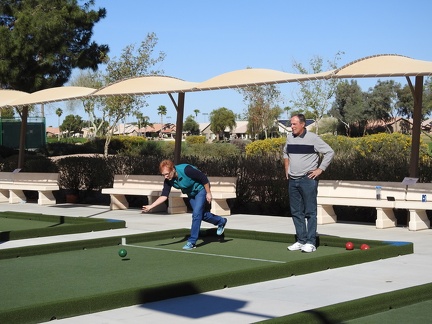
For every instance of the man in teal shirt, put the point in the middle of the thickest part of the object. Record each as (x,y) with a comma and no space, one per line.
(196,186)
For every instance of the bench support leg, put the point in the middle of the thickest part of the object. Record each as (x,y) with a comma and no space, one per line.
(46,198)
(385,218)
(160,208)
(325,215)
(418,220)
(118,202)
(17,197)
(220,207)
(4,195)
(176,205)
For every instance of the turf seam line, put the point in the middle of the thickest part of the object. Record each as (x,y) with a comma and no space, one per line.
(201,253)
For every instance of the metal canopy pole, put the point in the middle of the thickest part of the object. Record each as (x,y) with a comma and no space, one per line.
(179,106)
(417,115)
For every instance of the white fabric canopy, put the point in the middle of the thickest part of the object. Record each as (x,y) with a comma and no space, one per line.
(247,77)
(146,85)
(7,96)
(51,95)
(386,65)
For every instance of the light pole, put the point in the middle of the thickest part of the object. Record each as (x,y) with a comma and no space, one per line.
(206,118)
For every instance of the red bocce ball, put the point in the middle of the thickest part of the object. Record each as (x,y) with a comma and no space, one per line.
(364,247)
(349,246)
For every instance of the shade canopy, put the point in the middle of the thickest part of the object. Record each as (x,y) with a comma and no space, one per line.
(384,66)
(256,77)
(8,96)
(146,85)
(51,95)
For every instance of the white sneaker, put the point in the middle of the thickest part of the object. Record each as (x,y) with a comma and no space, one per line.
(308,248)
(295,247)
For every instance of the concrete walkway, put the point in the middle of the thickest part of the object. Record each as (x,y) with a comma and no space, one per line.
(260,301)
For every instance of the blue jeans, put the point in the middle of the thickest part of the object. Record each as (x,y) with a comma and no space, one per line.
(303,203)
(199,213)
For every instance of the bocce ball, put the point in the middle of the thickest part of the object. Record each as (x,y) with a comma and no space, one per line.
(122,253)
(364,247)
(349,246)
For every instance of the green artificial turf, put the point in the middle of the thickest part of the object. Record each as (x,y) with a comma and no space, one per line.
(74,278)
(17,226)
(411,302)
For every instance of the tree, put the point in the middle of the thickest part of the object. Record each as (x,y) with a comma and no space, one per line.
(42,42)
(262,111)
(349,105)
(316,94)
(382,100)
(162,111)
(72,124)
(190,125)
(139,115)
(143,121)
(90,79)
(287,109)
(220,119)
(427,96)
(59,112)
(196,111)
(132,63)
(7,112)
(405,104)
(262,119)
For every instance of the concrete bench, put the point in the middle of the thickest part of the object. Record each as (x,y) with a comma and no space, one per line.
(222,188)
(13,185)
(137,185)
(363,194)
(151,186)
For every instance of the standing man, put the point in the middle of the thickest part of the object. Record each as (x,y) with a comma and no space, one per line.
(303,164)
(196,186)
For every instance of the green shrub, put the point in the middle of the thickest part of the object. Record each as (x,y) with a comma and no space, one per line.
(32,163)
(269,147)
(385,144)
(62,148)
(7,151)
(125,143)
(195,139)
(84,173)
(213,150)
(40,164)
(378,157)
(241,144)
(340,144)
(262,187)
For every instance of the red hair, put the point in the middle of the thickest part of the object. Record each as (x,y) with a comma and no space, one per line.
(166,164)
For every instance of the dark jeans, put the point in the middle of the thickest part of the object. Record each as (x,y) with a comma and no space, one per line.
(199,213)
(303,203)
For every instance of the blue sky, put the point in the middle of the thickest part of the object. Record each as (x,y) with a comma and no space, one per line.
(205,38)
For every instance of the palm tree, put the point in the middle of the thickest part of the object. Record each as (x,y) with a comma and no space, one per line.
(162,110)
(59,112)
(139,117)
(287,110)
(196,111)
